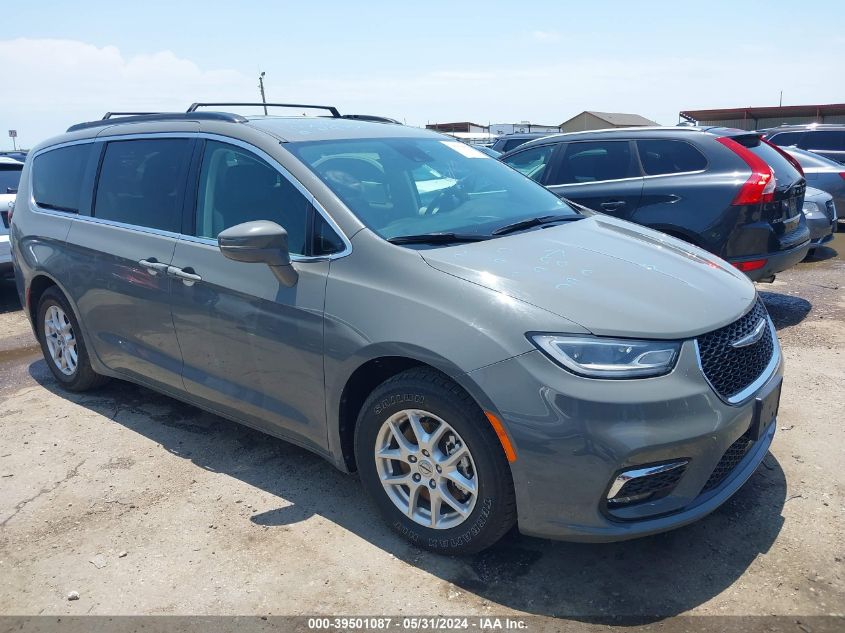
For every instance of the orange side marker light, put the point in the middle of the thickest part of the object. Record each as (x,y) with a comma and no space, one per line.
(497,425)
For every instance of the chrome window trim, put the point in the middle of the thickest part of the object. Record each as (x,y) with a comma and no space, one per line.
(347,244)
(631,178)
(596,182)
(207,241)
(50,148)
(762,379)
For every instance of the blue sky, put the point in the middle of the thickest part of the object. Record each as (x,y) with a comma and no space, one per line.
(437,61)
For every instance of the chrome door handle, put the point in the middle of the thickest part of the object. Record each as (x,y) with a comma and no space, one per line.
(153,267)
(613,205)
(188,277)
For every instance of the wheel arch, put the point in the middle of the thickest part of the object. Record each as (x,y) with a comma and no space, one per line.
(368,374)
(38,284)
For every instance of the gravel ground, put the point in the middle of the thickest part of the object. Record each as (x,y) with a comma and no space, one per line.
(144,505)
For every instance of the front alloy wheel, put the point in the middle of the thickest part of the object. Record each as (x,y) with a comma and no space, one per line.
(432,464)
(426,469)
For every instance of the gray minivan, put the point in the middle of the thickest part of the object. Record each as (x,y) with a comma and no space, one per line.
(481,352)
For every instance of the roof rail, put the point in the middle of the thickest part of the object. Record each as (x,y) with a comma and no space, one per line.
(373,118)
(161,116)
(259,104)
(109,115)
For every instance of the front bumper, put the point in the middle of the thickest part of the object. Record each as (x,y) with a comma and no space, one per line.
(776,262)
(573,436)
(821,228)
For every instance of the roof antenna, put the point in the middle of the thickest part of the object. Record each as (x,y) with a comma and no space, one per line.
(261,87)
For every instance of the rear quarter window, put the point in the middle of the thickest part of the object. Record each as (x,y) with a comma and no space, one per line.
(58,178)
(663,156)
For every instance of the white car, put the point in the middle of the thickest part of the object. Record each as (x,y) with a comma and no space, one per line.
(10,174)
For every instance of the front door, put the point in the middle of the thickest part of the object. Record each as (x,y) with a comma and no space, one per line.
(251,347)
(601,175)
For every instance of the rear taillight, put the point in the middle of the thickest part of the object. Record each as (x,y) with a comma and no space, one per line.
(842,175)
(753,264)
(792,160)
(760,186)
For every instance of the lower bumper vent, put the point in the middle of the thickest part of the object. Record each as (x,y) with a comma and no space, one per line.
(730,460)
(644,484)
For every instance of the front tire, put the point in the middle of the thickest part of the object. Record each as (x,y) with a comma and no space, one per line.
(62,345)
(432,464)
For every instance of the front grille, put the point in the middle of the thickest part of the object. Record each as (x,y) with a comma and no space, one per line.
(729,461)
(648,488)
(731,369)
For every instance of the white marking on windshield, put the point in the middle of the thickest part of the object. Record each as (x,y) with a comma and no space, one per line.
(465,150)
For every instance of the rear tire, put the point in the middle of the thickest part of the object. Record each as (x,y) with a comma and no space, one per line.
(62,344)
(456,495)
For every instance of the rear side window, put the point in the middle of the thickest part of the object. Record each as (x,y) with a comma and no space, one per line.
(824,140)
(58,178)
(142,183)
(532,162)
(669,157)
(10,176)
(594,161)
(785,139)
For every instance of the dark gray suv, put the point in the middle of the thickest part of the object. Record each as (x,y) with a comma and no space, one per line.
(480,352)
(824,139)
(724,190)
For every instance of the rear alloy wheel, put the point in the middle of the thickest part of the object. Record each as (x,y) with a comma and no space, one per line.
(432,464)
(61,343)
(61,340)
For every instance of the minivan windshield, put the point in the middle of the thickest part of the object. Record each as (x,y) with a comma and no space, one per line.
(416,186)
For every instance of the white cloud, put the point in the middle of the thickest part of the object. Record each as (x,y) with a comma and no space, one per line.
(55,83)
(545,36)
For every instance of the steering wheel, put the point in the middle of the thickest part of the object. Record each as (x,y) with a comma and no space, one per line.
(450,198)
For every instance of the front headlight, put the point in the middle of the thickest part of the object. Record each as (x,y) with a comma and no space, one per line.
(609,358)
(810,207)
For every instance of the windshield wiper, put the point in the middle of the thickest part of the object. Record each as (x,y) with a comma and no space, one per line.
(437,238)
(527,224)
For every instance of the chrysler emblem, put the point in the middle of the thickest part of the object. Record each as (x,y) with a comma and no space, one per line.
(750,339)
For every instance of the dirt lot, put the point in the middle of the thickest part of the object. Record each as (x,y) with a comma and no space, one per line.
(144,505)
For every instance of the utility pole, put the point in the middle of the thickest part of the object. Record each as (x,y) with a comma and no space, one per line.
(780,101)
(261,87)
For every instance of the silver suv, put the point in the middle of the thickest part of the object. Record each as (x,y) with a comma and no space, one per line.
(10,175)
(481,352)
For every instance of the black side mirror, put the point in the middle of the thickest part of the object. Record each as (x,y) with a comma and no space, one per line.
(11,189)
(260,242)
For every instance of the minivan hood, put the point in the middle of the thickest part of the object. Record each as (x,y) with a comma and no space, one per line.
(609,276)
